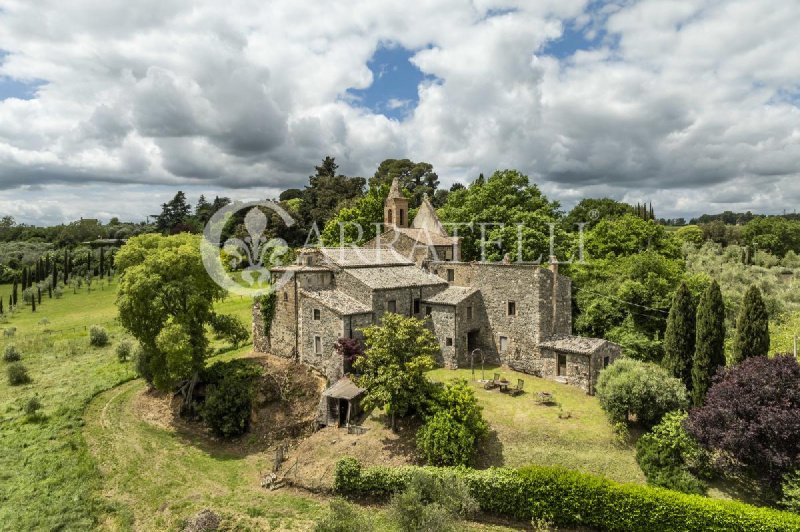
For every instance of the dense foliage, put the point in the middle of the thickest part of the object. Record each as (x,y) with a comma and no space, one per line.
(752,328)
(17,374)
(11,353)
(453,425)
(680,336)
(432,503)
(709,353)
(752,414)
(399,352)
(98,336)
(230,387)
(230,328)
(645,391)
(664,454)
(572,499)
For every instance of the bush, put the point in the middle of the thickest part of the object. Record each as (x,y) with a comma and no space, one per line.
(229,397)
(142,363)
(791,492)
(431,502)
(572,499)
(343,516)
(124,350)
(11,354)
(98,336)
(665,454)
(633,388)
(453,425)
(18,374)
(32,407)
(230,328)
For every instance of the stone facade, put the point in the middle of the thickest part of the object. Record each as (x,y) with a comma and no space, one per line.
(515,314)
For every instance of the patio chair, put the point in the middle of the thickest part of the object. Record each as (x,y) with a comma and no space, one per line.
(518,390)
(492,384)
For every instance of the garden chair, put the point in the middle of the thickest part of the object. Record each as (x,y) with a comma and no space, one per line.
(518,390)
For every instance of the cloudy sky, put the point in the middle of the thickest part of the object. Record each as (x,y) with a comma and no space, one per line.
(107,107)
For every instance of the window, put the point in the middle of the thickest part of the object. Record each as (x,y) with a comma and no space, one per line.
(451,275)
(389,217)
(416,305)
(316,314)
(512,308)
(606,361)
(286,296)
(401,217)
(317,345)
(448,342)
(309,261)
(428,311)
(469,313)
(503,344)
(391,305)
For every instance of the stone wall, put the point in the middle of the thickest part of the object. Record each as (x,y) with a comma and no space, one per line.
(442,321)
(613,352)
(329,328)
(404,300)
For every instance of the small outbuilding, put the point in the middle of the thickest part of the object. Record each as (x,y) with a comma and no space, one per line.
(341,403)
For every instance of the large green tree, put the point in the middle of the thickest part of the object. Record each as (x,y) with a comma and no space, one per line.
(174,213)
(752,327)
(709,353)
(629,235)
(326,192)
(165,300)
(680,336)
(399,352)
(591,211)
(507,213)
(417,178)
(356,224)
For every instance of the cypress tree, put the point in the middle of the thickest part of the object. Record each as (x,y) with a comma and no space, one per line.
(54,281)
(14,293)
(89,263)
(709,353)
(24,278)
(679,338)
(102,261)
(66,266)
(33,304)
(752,327)
(39,294)
(1,305)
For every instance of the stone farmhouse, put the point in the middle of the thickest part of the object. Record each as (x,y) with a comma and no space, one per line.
(515,314)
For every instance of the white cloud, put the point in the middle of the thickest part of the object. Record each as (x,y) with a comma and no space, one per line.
(688,103)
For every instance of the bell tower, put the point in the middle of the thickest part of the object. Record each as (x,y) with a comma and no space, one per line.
(395,208)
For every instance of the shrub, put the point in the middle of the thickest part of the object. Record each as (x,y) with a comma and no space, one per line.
(32,407)
(665,454)
(752,414)
(124,350)
(18,374)
(453,425)
(343,516)
(98,336)
(573,499)
(229,397)
(633,388)
(230,328)
(11,354)
(791,492)
(431,502)
(142,363)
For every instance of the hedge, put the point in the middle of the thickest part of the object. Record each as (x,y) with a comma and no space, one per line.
(570,498)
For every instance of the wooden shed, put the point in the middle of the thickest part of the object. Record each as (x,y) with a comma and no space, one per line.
(341,403)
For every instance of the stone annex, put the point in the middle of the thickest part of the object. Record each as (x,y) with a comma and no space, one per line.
(514,314)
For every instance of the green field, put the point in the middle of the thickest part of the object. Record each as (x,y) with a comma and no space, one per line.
(524,432)
(48,479)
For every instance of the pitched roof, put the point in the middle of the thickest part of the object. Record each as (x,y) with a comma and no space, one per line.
(427,237)
(452,295)
(394,191)
(395,277)
(343,389)
(575,344)
(337,301)
(345,257)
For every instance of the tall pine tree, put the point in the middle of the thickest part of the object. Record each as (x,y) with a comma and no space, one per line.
(709,353)
(679,338)
(752,327)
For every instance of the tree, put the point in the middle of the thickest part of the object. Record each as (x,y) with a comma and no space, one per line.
(399,352)
(709,353)
(165,300)
(365,213)
(752,327)
(691,234)
(508,209)
(680,336)
(592,211)
(173,213)
(752,414)
(667,453)
(629,235)
(418,179)
(325,193)
(631,388)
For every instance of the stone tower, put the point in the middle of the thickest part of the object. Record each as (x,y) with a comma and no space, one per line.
(395,209)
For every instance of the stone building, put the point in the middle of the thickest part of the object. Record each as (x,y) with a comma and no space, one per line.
(515,314)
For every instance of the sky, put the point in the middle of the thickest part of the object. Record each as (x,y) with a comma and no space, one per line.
(108,107)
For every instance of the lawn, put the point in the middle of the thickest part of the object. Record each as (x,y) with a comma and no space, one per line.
(48,478)
(575,434)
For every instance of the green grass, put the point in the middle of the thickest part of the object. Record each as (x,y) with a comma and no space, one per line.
(527,433)
(48,478)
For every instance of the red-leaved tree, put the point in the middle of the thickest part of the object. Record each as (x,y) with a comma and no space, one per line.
(752,414)
(349,349)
